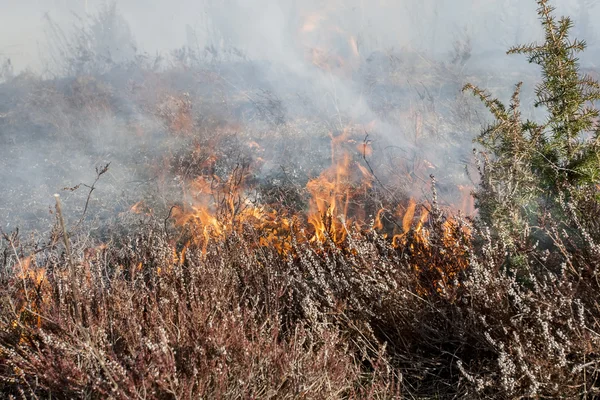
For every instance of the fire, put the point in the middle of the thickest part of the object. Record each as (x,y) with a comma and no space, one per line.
(337,204)
(220,206)
(407,215)
(335,189)
(140,208)
(29,271)
(329,202)
(216,207)
(33,279)
(467,205)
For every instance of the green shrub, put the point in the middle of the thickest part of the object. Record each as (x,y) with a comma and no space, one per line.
(528,167)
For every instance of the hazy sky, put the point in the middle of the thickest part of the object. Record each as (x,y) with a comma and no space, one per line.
(271,28)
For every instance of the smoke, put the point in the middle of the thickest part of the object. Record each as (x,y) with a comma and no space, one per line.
(394,68)
(269,29)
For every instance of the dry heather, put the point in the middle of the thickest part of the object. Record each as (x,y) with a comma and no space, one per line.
(145,318)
